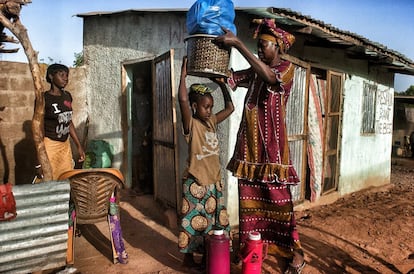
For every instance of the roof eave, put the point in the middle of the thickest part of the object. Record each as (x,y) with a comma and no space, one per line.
(298,23)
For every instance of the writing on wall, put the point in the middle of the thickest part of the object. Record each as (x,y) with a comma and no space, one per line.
(177,32)
(384,113)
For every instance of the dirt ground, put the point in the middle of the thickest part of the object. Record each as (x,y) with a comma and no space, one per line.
(370,231)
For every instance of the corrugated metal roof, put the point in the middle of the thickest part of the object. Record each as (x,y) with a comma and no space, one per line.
(356,46)
(316,33)
(37,238)
(103,13)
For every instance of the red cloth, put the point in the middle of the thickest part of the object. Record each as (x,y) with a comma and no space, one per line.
(7,203)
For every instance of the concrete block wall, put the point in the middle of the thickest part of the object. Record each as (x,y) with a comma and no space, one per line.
(17,151)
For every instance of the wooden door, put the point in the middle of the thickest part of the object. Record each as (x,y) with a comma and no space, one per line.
(332,131)
(164,131)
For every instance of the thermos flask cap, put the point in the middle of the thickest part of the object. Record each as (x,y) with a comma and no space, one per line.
(254,236)
(218,232)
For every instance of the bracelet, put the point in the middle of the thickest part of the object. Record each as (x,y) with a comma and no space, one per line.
(38,166)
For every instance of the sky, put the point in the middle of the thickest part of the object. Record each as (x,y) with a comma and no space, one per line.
(56,32)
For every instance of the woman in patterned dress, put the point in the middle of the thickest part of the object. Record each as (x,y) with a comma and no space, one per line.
(261,159)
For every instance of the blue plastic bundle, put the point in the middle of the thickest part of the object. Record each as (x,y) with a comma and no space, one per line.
(208,16)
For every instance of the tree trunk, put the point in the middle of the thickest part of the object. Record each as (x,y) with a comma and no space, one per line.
(37,123)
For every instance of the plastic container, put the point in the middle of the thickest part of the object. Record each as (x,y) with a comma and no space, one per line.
(253,254)
(218,253)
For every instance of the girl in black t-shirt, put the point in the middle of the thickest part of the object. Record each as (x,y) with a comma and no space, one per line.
(58,127)
(58,124)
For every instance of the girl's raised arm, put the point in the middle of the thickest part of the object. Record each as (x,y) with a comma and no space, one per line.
(228,103)
(183,98)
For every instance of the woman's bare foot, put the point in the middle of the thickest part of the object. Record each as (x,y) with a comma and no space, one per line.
(297,264)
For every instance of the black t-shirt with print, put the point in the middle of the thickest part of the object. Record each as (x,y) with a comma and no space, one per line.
(58,115)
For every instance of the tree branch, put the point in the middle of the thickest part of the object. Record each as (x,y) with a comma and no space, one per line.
(37,123)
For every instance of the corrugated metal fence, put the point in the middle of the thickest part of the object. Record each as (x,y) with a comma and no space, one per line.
(295,122)
(37,239)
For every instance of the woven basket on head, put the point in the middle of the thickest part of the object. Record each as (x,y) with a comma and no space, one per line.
(206,59)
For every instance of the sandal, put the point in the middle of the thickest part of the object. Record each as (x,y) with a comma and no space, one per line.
(295,269)
(123,257)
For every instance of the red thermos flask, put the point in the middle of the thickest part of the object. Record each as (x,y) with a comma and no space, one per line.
(253,254)
(218,253)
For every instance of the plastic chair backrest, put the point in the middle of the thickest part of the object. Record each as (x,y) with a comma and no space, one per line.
(91,190)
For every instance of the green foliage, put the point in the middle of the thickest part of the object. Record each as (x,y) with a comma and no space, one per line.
(408,92)
(78,59)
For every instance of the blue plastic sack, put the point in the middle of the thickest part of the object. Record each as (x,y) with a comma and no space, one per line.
(208,16)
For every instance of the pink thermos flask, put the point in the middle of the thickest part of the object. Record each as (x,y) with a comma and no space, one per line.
(218,253)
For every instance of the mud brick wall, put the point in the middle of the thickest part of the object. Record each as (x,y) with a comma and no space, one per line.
(17,151)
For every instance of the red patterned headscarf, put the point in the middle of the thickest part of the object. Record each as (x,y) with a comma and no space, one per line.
(267,30)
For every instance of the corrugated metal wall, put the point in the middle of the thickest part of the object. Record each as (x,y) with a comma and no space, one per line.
(37,239)
(295,123)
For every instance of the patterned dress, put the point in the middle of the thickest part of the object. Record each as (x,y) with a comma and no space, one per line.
(203,207)
(262,163)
